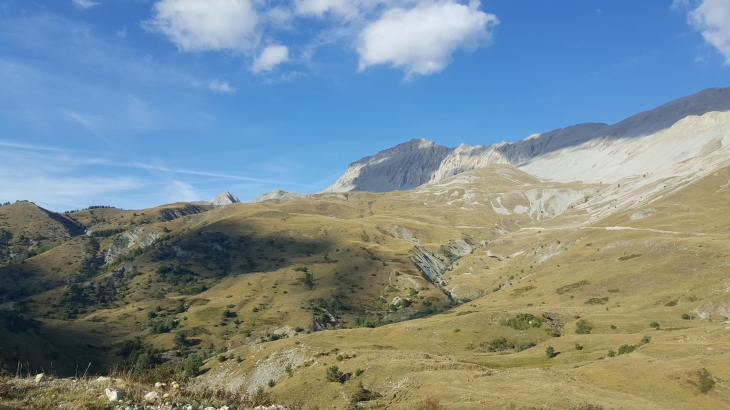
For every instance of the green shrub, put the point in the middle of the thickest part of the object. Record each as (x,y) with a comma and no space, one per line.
(686,316)
(655,325)
(645,340)
(524,346)
(192,365)
(499,344)
(335,375)
(583,327)
(308,279)
(569,288)
(523,321)
(364,394)
(550,352)
(578,347)
(626,349)
(611,353)
(706,382)
(597,301)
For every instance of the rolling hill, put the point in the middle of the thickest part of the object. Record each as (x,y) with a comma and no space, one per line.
(483,283)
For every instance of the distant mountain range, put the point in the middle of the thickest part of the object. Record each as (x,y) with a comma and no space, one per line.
(696,127)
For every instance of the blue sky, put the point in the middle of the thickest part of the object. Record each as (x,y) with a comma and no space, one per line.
(136,103)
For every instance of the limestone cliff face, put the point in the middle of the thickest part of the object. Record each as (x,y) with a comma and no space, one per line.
(693,127)
(402,167)
(223,199)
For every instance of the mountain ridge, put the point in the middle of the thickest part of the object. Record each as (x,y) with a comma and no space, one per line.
(419,161)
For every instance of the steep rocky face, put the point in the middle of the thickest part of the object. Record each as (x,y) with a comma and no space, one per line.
(694,127)
(223,199)
(402,167)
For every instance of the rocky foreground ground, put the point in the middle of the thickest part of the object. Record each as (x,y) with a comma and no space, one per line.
(43,392)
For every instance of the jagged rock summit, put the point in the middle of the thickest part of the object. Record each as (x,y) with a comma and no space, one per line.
(695,128)
(226,198)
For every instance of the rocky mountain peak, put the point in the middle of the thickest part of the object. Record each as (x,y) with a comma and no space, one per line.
(226,198)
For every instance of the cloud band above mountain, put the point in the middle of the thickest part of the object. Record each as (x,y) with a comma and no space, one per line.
(416,36)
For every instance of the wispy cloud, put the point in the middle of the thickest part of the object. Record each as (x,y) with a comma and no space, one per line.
(150,167)
(85,4)
(90,123)
(221,87)
(30,147)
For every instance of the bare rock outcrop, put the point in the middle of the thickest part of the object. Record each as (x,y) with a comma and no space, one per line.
(226,198)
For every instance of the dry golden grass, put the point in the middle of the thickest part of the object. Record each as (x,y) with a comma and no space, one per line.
(672,263)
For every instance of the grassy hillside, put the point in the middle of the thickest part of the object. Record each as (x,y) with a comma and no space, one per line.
(491,289)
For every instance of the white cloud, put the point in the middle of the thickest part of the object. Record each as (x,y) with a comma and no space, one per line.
(712,18)
(279,17)
(221,87)
(205,25)
(85,4)
(421,40)
(270,58)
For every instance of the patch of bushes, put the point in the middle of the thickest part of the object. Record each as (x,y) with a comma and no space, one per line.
(364,394)
(105,233)
(335,375)
(162,326)
(498,345)
(626,349)
(523,321)
(572,287)
(706,382)
(175,275)
(597,301)
(524,346)
(371,321)
(137,354)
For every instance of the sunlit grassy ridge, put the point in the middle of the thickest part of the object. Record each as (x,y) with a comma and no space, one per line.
(634,304)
